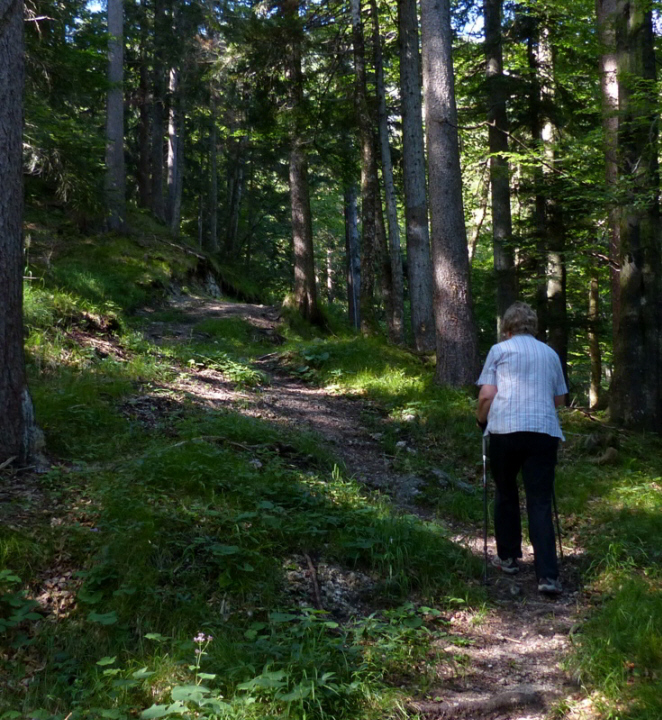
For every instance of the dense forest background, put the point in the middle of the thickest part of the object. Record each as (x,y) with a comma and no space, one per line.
(288,140)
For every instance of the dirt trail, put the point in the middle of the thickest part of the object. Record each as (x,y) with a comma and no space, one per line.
(509,664)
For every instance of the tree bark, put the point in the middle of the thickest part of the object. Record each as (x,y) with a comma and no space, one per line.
(144,187)
(369,252)
(457,342)
(419,265)
(213,182)
(636,398)
(16,418)
(483,191)
(539,209)
(201,223)
(502,226)
(305,287)
(609,14)
(250,213)
(330,284)
(175,154)
(595,391)
(236,194)
(538,214)
(115,181)
(396,316)
(384,260)
(352,256)
(556,311)
(158,114)
(305,291)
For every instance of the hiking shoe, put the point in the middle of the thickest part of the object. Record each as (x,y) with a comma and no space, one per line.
(549,586)
(509,565)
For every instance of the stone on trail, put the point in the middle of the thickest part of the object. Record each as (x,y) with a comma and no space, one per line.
(445,480)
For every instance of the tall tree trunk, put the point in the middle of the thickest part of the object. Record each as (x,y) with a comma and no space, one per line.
(231,168)
(595,392)
(305,291)
(419,265)
(539,211)
(213,182)
(305,288)
(457,341)
(250,212)
(16,418)
(396,316)
(384,260)
(637,386)
(175,154)
(158,111)
(556,312)
(502,226)
(369,252)
(609,13)
(144,188)
(352,256)
(483,192)
(329,276)
(115,181)
(237,187)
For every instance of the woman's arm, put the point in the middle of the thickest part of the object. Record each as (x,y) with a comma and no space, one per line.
(485,396)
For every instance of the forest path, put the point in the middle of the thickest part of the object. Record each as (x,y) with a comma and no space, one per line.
(505,660)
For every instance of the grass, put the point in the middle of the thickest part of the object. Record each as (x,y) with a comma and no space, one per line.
(423,427)
(176,538)
(166,521)
(171,523)
(617,515)
(613,511)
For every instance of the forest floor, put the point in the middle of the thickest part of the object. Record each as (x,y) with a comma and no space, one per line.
(313,502)
(239,517)
(507,658)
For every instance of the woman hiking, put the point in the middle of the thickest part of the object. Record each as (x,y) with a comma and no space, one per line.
(521,386)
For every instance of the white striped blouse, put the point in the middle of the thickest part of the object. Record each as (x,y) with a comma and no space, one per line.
(528,376)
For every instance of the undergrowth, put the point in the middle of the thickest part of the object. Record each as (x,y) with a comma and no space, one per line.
(166,531)
(174,528)
(616,513)
(612,510)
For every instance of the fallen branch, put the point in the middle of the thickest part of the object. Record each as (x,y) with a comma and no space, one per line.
(8,462)
(591,417)
(509,639)
(218,438)
(316,587)
(184,249)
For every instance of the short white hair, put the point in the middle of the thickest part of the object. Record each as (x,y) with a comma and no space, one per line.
(519,319)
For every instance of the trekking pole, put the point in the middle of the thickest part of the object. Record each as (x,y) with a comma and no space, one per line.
(485,510)
(558,524)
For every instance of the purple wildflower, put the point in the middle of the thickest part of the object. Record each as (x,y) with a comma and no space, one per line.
(202,638)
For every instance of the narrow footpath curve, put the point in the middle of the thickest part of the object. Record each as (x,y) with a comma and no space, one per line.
(510,664)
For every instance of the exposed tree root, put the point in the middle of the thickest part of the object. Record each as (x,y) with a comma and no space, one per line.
(518,697)
(315,582)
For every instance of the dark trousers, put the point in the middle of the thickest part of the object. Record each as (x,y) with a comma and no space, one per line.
(535,455)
